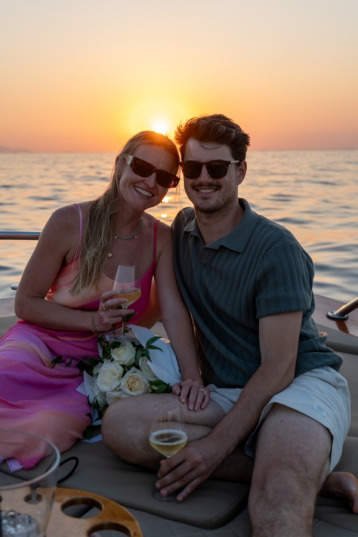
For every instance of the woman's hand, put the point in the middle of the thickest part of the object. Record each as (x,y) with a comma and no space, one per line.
(193,393)
(109,312)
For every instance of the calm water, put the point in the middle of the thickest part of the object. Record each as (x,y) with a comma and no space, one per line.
(313,193)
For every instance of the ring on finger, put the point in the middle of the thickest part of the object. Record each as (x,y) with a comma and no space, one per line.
(103,307)
(202,390)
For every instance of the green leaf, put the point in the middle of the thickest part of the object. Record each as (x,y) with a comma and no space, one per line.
(87,364)
(149,344)
(152,340)
(61,360)
(137,356)
(159,386)
(57,360)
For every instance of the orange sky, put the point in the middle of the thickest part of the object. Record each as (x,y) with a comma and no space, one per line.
(84,75)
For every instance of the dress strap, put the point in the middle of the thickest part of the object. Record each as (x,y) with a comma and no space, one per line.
(155,239)
(78,250)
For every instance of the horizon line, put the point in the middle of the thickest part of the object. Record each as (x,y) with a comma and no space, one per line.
(8,150)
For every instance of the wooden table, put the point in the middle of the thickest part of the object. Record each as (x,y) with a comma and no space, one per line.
(108,515)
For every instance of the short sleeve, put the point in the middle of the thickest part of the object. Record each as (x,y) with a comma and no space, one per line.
(284,282)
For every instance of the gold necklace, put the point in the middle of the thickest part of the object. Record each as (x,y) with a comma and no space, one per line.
(134,236)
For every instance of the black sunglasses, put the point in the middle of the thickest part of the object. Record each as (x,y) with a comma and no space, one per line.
(145,169)
(217,169)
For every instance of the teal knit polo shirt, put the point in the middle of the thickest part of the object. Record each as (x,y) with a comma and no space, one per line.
(259,269)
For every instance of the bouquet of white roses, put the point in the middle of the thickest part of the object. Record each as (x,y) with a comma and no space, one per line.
(122,370)
(143,364)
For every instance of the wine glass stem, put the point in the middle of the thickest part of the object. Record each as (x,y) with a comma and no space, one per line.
(124,327)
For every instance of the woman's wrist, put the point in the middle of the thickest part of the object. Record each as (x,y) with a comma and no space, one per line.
(93,322)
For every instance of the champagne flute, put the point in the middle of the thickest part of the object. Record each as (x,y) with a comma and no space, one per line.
(127,287)
(167,435)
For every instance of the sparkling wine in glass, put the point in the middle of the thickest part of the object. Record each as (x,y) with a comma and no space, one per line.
(167,435)
(126,287)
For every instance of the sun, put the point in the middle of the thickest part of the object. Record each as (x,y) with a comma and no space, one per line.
(158,113)
(160,125)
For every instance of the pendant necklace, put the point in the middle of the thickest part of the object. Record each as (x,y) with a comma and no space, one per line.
(134,236)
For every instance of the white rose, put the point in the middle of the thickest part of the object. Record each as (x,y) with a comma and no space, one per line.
(109,376)
(134,383)
(98,396)
(96,369)
(124,354)
(144,364)
(113,396)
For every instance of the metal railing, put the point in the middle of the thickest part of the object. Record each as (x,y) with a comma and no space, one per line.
(20,235)
(339,315)
(342,313)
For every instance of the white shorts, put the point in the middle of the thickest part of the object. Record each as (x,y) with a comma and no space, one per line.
(321,394)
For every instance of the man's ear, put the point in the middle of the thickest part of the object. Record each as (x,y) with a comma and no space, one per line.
(241,172)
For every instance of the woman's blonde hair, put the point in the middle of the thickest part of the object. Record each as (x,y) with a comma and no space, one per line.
(101,219)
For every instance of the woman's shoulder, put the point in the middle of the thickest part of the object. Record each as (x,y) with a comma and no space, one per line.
(162,227)
(64,227)
(163,232)
(70,215)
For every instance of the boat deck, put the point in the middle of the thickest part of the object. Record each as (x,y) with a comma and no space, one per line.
(216,508)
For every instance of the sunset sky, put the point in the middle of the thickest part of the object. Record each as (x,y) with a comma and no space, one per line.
(84,75)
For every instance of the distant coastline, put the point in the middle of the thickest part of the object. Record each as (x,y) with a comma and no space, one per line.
(4,149)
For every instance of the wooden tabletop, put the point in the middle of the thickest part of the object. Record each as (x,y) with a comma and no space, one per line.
(108,515)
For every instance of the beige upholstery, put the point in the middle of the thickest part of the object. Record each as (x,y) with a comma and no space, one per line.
(217,508)
(101,472)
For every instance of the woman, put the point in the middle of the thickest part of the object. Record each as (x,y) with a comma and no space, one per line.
(65,296)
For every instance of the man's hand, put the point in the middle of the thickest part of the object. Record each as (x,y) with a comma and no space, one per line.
(189,467)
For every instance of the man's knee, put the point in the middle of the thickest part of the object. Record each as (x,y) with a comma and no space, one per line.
(279,480)
(281,489)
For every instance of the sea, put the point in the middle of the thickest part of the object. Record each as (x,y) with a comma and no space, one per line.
(312,193)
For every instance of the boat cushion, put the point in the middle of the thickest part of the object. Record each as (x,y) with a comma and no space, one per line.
(338,340)
(211,505)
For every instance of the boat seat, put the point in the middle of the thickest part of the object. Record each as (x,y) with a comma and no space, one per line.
(339,341)
(216,508)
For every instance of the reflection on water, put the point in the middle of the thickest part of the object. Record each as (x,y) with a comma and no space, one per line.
(313,193)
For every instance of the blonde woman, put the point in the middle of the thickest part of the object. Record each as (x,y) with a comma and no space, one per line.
(64,298)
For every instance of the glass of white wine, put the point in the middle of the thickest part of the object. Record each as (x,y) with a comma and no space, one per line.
(126,286)
(167,435)
(26,495)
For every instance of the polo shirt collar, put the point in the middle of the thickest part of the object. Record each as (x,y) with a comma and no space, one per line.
(239,236)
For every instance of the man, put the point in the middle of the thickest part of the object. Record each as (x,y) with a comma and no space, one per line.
(279,411)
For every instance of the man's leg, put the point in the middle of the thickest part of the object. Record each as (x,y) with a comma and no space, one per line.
(291,465)
(342,485)
(126,426)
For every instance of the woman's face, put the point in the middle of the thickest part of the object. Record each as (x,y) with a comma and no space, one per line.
(144,192)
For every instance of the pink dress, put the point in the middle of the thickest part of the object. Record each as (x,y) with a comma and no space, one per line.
(38,398)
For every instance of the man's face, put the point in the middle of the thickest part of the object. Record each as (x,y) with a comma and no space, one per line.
(210,195)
